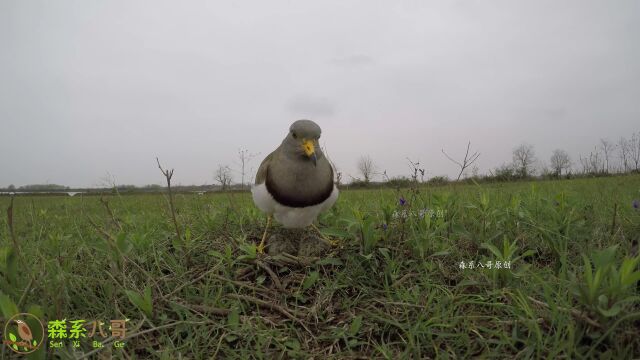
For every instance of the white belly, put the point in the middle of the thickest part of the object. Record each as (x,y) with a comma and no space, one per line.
(290,217)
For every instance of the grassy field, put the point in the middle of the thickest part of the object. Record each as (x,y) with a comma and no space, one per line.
(393,288)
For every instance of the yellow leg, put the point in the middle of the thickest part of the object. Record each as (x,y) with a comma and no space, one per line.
(332,242)
(264,236)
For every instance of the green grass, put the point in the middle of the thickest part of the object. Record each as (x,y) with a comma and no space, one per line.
(393,289)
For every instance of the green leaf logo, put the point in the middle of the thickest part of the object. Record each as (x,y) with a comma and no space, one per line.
(12,337)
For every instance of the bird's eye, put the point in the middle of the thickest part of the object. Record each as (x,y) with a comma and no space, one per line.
(295,136)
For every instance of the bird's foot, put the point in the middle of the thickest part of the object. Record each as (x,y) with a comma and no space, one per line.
(260,248)
(332,242)
(324,238)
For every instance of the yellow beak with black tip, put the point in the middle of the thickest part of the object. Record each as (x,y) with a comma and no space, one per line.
(309,148)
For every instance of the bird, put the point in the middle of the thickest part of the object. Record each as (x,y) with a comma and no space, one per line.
(294,183)
(24,331)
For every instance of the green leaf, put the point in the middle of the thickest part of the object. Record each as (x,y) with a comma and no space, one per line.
(355,325)
(230,338)
(292,344)
(233,319)
(384,252)
(631,279)
(467,282)
(330,261)
(41,353)
(249,250)
(7,306)
(11,265)
(604,258)
(588,271)
(187,235)
(123,244)
(215,253)
(142,302)
(603,300)
(36,310)
(611,312)
(310,280)
(147,295)
(12,337)
(493,249)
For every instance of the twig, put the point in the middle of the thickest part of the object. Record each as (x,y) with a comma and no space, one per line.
(190,282)
(263,290)
(573,312)
(111,338)
(102,232)
(611,328)
(403,279)
(168,174)
(113,217)
(468,160)
(273,275)
(513,322)
(271,306)
(205,308)
(243,272)
(24,293)
(288,259)
(399,303)
(112,242)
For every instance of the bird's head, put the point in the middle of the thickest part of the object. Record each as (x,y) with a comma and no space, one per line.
(303,139)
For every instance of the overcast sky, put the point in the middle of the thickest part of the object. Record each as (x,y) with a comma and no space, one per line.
(90,88)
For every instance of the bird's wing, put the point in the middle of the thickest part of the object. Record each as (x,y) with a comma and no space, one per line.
(261,175)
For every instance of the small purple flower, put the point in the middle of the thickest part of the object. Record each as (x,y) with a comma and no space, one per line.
(402,201)
(384,226)
(635,204)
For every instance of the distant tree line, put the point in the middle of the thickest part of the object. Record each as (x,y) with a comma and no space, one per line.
(38,187)
(606,158)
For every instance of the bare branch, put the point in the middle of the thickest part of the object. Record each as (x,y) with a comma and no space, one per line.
(523,159)
(416,169)
(223,176)
(607,148)
(244,156)
(366,167)
(168,174)
(468,160)
(449,157)
(560,161)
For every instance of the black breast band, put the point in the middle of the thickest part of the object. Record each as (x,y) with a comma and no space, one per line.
(295,200)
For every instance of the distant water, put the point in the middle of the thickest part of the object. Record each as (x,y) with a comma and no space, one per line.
(70,193)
